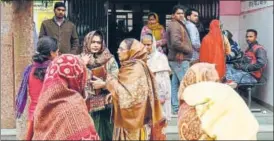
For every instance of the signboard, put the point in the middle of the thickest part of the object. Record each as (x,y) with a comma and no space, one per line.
(42,11)
(253,5)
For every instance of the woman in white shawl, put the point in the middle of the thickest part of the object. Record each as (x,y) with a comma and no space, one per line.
(158,64)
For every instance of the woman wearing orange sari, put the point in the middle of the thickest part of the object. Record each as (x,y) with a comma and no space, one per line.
(214,48)
(137,109)
(61,113)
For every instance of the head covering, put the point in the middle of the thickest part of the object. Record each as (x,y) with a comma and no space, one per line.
(136,51)
(100,58)
(199,72)
(212,48)
(61,113)
(135,91)
(22,95)
(156,61)
(156,28)
(223,113)
(228,34)
(59,4)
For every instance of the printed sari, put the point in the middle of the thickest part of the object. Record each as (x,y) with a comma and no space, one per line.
(102,59)
(210,110)
(137,110)
(61,113)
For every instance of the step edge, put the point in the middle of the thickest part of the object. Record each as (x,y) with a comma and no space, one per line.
(262,129)
(8,132)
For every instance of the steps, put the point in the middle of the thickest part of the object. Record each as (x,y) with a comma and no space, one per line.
(265,120)
(8,134)
(265,130)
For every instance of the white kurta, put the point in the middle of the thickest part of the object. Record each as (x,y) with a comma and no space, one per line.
(164,90)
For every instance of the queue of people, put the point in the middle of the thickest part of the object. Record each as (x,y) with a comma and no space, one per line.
(88,97)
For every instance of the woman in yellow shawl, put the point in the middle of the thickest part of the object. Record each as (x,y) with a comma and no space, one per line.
(157,30)
(211,110)
(137,109)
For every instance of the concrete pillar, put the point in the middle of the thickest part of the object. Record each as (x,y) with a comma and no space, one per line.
(16,51)
(7,78)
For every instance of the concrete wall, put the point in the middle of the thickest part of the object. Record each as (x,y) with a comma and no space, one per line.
(16,51)
(260,19)
(239,16)
(229,17)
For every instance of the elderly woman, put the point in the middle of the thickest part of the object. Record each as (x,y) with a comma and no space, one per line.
(210,110)
(158,64)
(137,109)
(61,113)
(101,62)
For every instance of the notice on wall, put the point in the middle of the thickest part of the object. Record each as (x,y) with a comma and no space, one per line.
(42,10)
(256,4)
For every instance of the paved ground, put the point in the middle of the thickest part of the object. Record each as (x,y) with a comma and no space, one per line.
(265,119)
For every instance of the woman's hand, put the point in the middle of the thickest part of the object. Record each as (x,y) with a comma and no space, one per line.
(85,58)
(162,99)
(98,83)
(108,99)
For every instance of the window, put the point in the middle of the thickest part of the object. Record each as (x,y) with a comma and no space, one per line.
(125,18)
(168,19)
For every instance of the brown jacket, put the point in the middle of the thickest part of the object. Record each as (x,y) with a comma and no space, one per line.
(65,34)
(178,41)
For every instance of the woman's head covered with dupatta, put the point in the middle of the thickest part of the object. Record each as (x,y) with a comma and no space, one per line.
(68,70)
(199,72)
(95,46)
(61,113)
(131,49)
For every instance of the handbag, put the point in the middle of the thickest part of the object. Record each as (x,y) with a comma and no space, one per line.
(96,99)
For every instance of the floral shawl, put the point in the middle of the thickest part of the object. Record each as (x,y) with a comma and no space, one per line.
(134,94)
(61,113)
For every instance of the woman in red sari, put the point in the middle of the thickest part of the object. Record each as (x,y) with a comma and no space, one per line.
(61,113)
(214,47)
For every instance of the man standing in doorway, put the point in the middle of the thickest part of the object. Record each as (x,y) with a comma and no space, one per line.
(61,29)
(180,52)
(192,17)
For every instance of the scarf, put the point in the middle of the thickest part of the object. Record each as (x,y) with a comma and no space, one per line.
(97,59)
(212,48)
(199,72)
(156,28)
(156,61)
(61,113)
(134,94)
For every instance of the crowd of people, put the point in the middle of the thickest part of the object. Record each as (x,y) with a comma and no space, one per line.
(169,71)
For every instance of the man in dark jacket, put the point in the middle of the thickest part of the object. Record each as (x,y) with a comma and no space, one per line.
(61,29)
(179,52)
(252,65)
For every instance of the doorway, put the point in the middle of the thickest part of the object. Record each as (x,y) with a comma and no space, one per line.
(120,19)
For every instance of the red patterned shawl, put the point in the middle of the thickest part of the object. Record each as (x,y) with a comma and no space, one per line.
(61,113)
